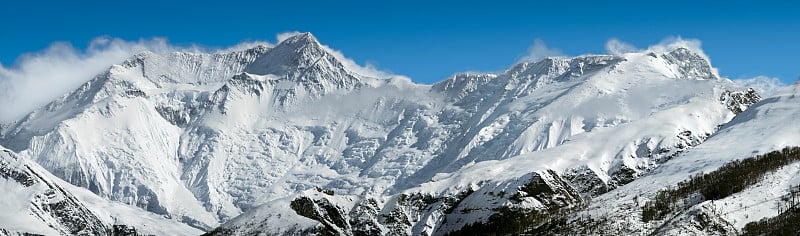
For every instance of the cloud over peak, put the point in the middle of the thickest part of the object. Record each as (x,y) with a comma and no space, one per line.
(615,46)
(539,51)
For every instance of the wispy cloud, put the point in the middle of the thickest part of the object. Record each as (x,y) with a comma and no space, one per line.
(762,84)
(615,46)
(39,77)
(367,70)
(539,51)
(285,35)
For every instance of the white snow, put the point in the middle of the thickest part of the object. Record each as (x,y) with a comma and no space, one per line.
(21,214)
(16,215)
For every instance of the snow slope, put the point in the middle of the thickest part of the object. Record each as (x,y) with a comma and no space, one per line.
(203,138)
(766,126)
(21,195)
(34,201)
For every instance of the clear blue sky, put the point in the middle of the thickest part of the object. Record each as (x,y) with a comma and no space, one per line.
(427,41)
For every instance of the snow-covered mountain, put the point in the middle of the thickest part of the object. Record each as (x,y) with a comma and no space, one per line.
(293,139)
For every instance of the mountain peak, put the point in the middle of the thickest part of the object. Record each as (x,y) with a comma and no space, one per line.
(301,58)
(691,64)
(299,40)
(684,52)
(296,52)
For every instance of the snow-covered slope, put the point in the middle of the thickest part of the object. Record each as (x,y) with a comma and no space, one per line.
(767,126)
(36,202)
(203,138)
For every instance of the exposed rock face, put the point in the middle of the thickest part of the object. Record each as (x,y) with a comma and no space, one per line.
(323,211)
(690,65)
(738,101)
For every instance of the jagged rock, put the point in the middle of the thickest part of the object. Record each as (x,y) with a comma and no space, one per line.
(738,101)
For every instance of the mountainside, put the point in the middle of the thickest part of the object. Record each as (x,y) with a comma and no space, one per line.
(765,127)
(292,139)
(35,202)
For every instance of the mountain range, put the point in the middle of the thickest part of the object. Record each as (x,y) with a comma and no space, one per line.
(294,139)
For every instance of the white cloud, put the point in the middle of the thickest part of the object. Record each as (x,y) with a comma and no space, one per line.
(616,47)
(286,35)
(40,77)
(367,70)
(762,84)
(37,78)
(539,51)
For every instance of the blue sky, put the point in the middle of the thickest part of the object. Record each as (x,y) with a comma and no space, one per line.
(426,41)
